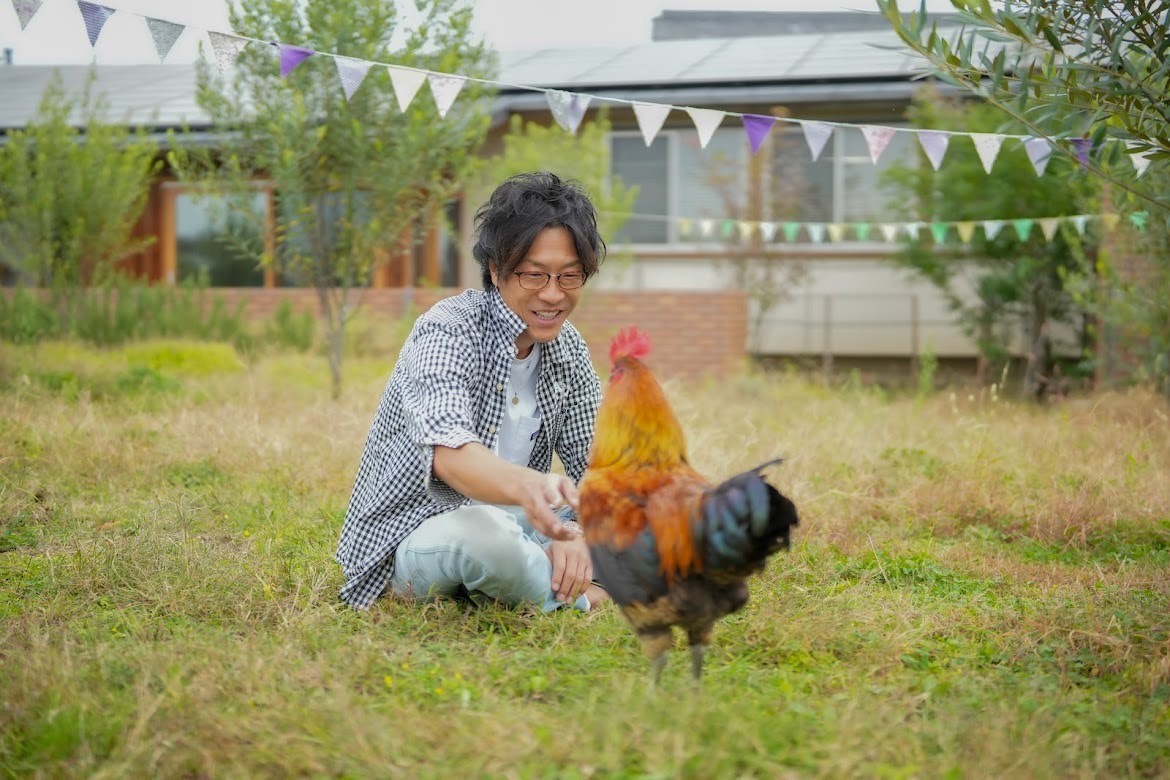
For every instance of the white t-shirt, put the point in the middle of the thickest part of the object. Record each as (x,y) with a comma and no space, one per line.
(521,417)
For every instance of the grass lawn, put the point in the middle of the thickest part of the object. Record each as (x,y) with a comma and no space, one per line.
(978,589)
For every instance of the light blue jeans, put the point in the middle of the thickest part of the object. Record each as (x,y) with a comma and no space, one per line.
(488,550)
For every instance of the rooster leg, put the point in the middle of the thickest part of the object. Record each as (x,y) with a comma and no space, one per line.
(656,643)
(699,639)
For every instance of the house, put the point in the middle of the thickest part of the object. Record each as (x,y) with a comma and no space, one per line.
(848,299)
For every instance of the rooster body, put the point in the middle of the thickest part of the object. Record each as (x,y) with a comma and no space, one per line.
(670,547)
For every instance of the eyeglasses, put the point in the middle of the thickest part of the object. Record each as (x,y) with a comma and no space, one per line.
(533,280)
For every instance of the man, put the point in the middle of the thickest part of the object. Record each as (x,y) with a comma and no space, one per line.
(453,493)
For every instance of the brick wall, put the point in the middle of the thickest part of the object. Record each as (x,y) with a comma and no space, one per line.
(695,334)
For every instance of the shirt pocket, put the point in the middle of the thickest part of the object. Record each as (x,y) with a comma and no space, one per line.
(524,438)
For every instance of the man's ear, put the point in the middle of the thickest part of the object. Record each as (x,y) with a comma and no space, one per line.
(493,271)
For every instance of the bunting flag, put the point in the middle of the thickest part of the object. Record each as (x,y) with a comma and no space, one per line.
(406,83)
(1023,228)
(706,120)
(706,226)
(878,138)
(351,72)
(726,228)
(444,90)
(568,108)
(1080,221)
(816,231)
(165,35)
(650,117)
(966,231)
(1039,152)
(227,48)
(1110,220)
(991,228)
(757,127)
(95,17)
(889,232)
(1048,227)
(816,135)
(768,230)
(934,143)
(987,144)
(292,56)
(684,227)
(938,230)
(862,230)
(836,232)
(911,229)
(1083,148)
(26,10)
(1140,160)
(746,229)
(1138,220)
(791,229)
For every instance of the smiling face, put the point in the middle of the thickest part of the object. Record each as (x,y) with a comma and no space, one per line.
(543,311)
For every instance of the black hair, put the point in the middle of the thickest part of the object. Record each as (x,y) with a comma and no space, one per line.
(524,205)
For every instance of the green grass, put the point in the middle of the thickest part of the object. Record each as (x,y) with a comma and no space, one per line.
(977,589)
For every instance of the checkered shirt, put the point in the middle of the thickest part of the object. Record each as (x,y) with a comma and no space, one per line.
(447,389)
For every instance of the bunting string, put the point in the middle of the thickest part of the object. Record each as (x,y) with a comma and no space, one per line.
(568,108)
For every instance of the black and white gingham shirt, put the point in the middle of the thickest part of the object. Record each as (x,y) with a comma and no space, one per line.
(448,388)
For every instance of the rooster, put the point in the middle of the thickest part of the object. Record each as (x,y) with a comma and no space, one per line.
(671,548)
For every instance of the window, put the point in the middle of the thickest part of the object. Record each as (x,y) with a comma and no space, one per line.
(214,239)
(685,191)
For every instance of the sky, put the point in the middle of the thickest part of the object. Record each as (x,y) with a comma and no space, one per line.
(57,34)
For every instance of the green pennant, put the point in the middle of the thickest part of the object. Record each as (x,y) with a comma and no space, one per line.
(790,230)
(939,231)
(1023,227)
(727,229)
(862,230)
(1138,220)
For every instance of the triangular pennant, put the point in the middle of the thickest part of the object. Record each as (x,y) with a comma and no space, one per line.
(877,138)
(444,90)
(684,227)
(1081,221)
(889,232)
(791,230)
(650,117)
(1083,148)
(165,34)
(757,127)
(862,230)
(26,10)
(706,226)
(987,144)
(726,228)
(816,232)
(939,231)
(291,56)
(1023,228)
(351,72)
(1140,160)
(95,17)
(991,228)
(1039,152)
(911,229)
(768,230)
(934,143)
(966,231)
(1110,220)
(1138,220)
(568,108)
(816,135)
(406,83)
(746,229)
(1048,227)
(227,48)
(836,232)
(706,120)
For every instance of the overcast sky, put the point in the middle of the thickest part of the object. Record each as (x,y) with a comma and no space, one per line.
(57,33)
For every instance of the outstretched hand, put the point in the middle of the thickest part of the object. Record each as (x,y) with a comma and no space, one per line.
(543,493)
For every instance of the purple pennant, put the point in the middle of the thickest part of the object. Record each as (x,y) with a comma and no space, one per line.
(26,10)
(757,127)
(95,17)
(291,56)
(934,143)
(1083,147)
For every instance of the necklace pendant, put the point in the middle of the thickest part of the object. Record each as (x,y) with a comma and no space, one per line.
(515,400)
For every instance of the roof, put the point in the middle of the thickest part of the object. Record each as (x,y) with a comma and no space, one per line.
(681,72)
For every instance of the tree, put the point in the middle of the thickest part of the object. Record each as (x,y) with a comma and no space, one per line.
(71,195)
(351,176)
(1005,285)
(1095,70)
(583,156)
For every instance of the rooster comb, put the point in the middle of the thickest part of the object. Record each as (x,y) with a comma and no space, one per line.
(629,342)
